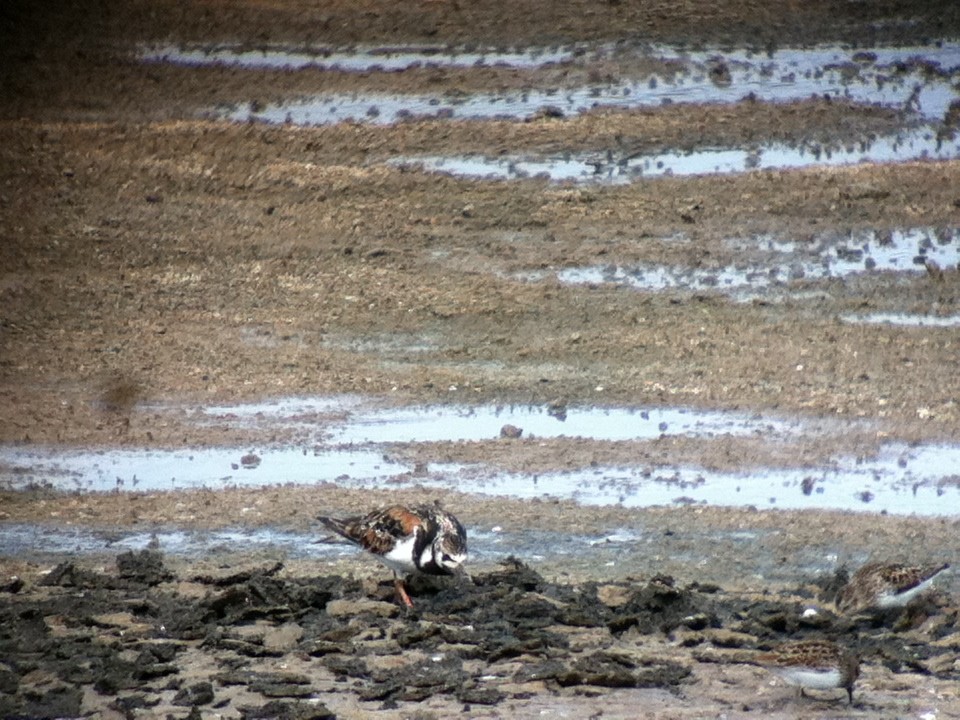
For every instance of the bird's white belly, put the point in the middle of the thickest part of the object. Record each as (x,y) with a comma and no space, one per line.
(891,599)
(811,678)
(400,558)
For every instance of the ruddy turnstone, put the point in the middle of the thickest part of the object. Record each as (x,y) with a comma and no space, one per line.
(816,664)
(886,585)
(421,539)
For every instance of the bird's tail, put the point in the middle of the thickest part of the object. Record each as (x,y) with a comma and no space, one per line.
(340,527)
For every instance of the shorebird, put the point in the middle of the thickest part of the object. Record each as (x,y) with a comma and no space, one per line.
(420,539)
(886,585)
(815,664)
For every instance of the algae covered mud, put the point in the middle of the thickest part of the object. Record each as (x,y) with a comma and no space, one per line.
(660,299)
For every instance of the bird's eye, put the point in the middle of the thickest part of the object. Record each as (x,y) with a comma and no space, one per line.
(447,558)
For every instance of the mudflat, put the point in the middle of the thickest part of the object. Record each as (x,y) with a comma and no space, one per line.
(158,258)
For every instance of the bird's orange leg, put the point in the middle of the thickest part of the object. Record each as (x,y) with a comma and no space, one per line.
(402,592)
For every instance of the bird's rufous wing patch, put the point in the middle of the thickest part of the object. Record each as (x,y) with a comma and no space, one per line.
(403,522)
(381,530)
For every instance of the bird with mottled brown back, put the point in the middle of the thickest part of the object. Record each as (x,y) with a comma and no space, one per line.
(879,586)
(815,664)
(420,539)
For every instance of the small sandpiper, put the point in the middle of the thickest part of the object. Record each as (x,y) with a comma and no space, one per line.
(815,664)
(886,585)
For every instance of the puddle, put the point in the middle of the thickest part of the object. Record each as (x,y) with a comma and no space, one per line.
(901,480)
(212,468)
(296,412)
(903,250)
(361,58)
(351,420)
(915,79)
(903,319)
(459,424)
(336,457)
(916,144)
(943,54)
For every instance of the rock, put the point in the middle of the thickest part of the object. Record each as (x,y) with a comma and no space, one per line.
(950,641)
(144,567)
(613,596)
(283,638)
(360,606)
(13,584)
(947,664)
(511,431)
(721,637)
(199,694)
(57,702)
(607,669)
(276,710)
(124,622)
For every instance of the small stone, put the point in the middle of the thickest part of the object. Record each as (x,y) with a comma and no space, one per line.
(250,461)
(946,664)
(511,431)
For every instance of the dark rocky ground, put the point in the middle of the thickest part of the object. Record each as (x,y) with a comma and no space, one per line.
(136,640)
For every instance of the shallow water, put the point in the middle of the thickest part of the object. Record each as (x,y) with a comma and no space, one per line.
(354,445)
(450,424)
(104,470)
(920,143)
(361,58)
(777,263)
(24,539)
(898,77)
(353,449)
(901,480)
(944,55)
(348,450)
(615,549)
(903,319)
